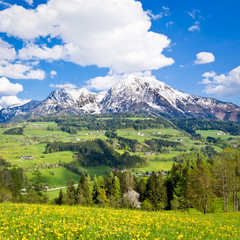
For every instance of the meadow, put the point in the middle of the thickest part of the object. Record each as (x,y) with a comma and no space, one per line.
(22,221)
(37,134)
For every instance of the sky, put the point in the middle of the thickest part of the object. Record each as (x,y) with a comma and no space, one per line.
(193,46)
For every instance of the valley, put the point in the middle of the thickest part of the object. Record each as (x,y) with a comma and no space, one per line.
(158,144)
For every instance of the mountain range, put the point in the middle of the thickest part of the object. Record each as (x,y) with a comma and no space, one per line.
(134,94)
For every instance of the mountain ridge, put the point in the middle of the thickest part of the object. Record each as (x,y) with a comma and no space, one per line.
(133,94)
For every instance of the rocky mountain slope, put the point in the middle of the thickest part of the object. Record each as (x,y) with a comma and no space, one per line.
(131,95)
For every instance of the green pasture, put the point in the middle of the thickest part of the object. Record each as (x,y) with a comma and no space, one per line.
(213,133)
(56,177)
(156,166)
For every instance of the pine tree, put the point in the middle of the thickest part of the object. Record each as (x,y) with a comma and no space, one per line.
(70,196)
(156,191)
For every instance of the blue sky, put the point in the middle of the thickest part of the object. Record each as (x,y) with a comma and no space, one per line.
(190,45)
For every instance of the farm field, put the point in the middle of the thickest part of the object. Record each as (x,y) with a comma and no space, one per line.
(22,221)
(13,148)
(215,134)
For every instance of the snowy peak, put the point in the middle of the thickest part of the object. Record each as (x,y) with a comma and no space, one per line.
(143,91)
(135,93)
(68,95)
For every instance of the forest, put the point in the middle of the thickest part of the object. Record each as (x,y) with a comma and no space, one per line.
(195,181)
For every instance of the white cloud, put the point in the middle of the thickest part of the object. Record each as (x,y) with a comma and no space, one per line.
(117,34)
(204,57)
(223,85)
(32,51)
(5,4)
(7,101)
(66,85)
(106,82)
(164,13)
(195,27)
(53,74)
(169,24)
(20,71)
(193,13)
(30,2)
(209,74)
(7,52)
(8,88)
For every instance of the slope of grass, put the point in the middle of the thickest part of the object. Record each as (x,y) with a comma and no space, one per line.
(57,177)
(21,221)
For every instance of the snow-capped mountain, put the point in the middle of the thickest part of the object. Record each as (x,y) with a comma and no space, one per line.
(65,100)
(133,94)
(12,111)
(148,94)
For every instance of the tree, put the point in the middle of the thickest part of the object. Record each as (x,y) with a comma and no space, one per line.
(156,191)
(200,189)
(116,189)
(131,199)
(60,199)
(84,193)
(227,172)
(70,196)
(16,182)
(36,181)
(141,188)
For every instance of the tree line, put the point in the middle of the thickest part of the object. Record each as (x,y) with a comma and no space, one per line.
(96,153)
(196,181)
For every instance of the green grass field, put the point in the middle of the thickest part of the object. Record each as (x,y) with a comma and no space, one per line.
(57,177)
(22,221)
(36,135)
(213,133)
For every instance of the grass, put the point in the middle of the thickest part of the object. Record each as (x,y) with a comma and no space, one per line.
(36,135)
(57,177)
(98,170)
(213,133)
(156,166)
(22,221)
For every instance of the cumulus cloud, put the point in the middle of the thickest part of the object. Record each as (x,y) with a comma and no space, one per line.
(66,85)
(106,82)
(7,52)
(204,57)
(20,71)
(8,88)
(7,101)
(117,35)
(32,51)
(53,74)
(224,85)
(195,27)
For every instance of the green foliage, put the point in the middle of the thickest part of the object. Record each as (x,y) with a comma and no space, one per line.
(190,125)
(95,153)
(157,144)
(14,131)
(37,181)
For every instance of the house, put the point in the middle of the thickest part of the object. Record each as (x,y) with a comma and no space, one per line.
(45,186)
(140,134)
(29,157)
(148,173)
(76,139)
(181,140)
(220,133)
(148,154)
